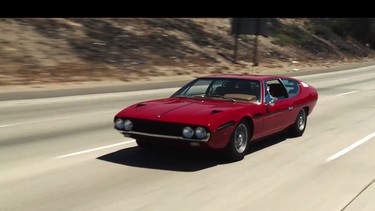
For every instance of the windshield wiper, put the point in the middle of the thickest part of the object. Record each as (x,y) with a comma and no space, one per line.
(229,98)
(207,96)
(182,96)
(190,96)
(222,97)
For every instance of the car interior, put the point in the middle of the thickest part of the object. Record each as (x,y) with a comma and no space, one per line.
(242,90)
(278,91)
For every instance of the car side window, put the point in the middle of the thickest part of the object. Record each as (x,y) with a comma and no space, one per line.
(292,87)
(275,89)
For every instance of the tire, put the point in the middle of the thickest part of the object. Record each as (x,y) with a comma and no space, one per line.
(299,126)
(238,144)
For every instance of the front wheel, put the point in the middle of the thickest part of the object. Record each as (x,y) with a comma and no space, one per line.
(237,147)
(299,126)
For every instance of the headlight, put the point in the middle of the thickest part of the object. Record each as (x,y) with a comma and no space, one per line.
(119,124)
(188,132)
(200,133)
(128,125)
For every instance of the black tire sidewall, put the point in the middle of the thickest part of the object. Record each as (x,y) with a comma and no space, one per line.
(231,151)
(295,131)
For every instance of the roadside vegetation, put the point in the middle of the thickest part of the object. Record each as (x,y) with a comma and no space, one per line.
(36,51)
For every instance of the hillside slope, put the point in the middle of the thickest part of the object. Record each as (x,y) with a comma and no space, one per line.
(35,51)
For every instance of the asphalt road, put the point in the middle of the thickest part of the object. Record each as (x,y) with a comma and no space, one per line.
(63,154)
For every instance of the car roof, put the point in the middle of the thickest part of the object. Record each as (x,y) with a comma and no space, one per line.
(244,76)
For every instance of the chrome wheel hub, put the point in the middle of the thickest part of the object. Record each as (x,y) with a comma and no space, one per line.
(240,138)
(301,122)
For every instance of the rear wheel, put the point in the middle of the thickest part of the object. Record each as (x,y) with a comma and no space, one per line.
(237,147)
(299,126)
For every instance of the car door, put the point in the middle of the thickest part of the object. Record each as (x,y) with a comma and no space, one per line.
(293,89)
(276,113)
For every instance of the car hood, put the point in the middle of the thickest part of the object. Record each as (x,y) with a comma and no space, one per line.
(185,110)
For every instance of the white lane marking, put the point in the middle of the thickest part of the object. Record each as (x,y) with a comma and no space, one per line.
(326,74)
(346,93)
(79,97)
(57,119)
(351,147)
(345,79)
(94,149)
(87,97)
(11,125)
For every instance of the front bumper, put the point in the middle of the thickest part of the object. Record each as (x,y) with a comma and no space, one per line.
(135,134)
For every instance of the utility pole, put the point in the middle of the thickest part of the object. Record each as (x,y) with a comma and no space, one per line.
(255,55)
(235,48)
(237,32)
(249,26)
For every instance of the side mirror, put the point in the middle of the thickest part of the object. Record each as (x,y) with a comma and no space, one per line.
(270,101)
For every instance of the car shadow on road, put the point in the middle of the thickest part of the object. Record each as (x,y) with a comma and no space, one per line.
(183,160)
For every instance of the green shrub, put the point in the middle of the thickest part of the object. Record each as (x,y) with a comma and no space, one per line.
(291,35)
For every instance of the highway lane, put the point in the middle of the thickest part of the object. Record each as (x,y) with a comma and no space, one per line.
(63,154)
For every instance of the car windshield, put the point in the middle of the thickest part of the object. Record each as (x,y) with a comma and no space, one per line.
(222,88)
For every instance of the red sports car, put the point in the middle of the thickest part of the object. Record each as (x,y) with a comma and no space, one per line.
(221,112)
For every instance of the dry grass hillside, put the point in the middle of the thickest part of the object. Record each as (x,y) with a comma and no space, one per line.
(36,51)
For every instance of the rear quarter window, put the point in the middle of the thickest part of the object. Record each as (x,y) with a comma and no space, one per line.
(292,87)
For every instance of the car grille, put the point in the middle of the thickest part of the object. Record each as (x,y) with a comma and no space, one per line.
(157,127)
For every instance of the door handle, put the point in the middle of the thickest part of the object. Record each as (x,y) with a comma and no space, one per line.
(290,108)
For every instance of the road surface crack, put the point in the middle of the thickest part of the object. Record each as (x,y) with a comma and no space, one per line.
(358,194)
